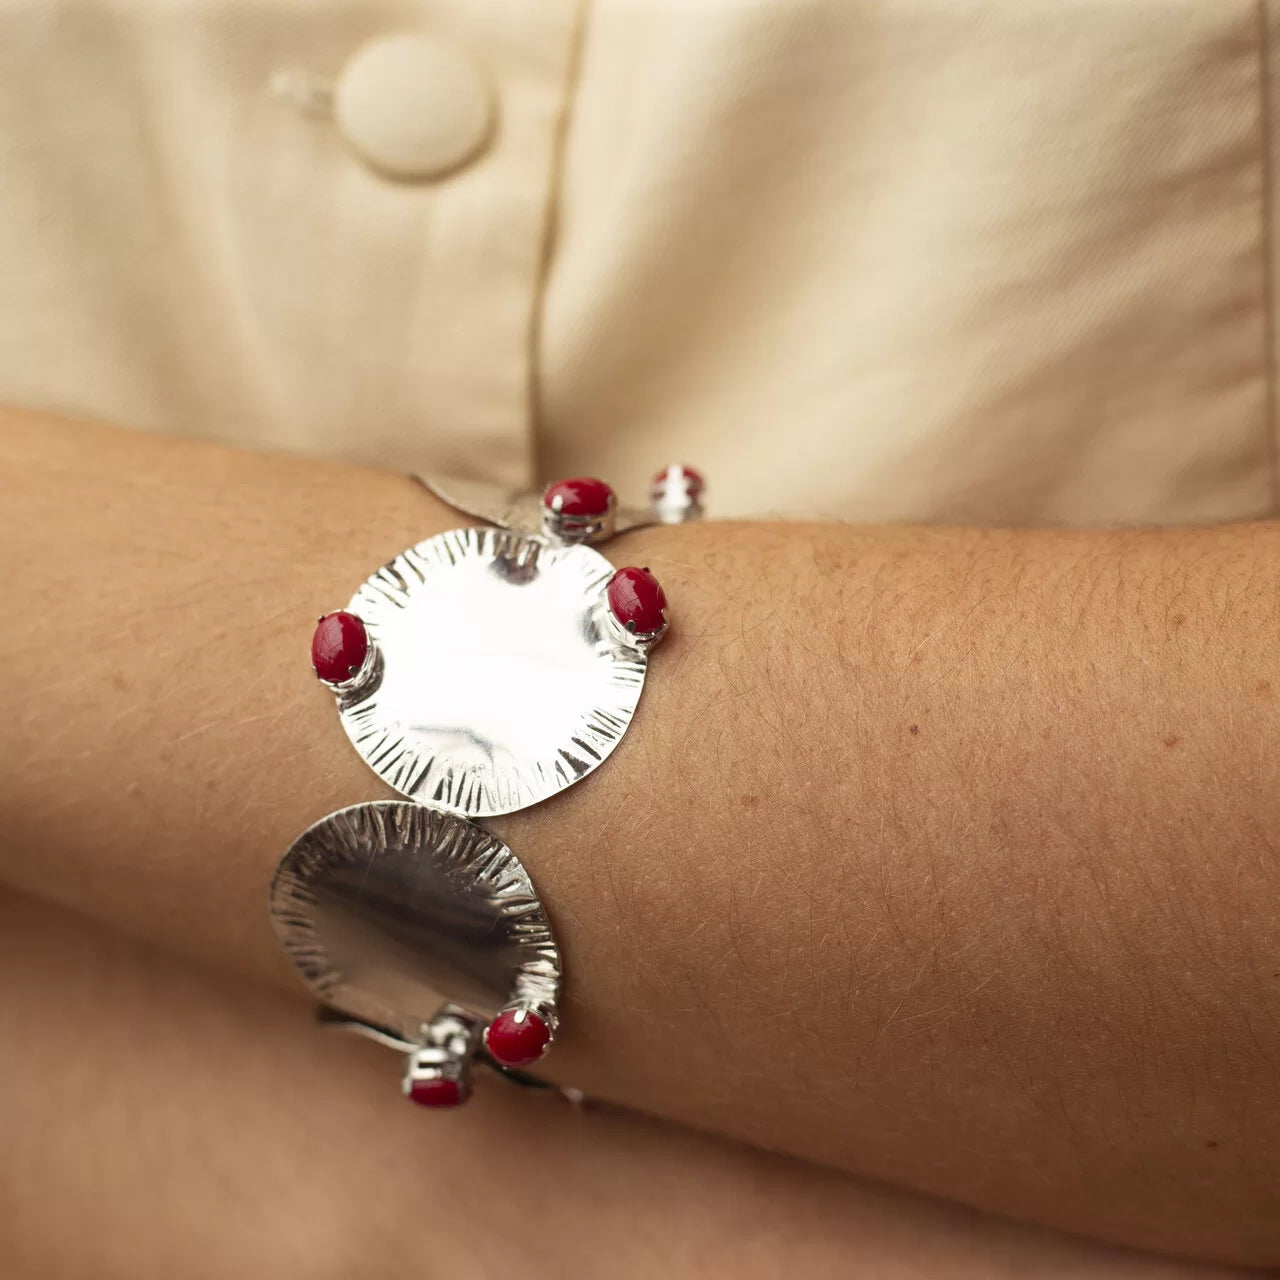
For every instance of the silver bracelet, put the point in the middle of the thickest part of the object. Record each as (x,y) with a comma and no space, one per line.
(478,673)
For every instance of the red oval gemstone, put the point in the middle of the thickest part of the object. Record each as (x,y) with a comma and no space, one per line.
(580,496)
(437,1093)
(692,478)
(516,1037)
(339,647)
(637,600)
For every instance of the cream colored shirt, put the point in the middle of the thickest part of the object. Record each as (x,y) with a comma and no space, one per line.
(964,260)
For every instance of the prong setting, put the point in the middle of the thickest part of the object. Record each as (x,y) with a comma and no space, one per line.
(636,607)
(344,655)
(437,1072)
(580,509)
(675,494)
(520,1035)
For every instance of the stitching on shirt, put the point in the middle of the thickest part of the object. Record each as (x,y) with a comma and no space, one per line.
(550,231)
(1269,265)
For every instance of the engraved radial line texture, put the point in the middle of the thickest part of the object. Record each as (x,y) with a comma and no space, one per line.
(500,682)
(389,910)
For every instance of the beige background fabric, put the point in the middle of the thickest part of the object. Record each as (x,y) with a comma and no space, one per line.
(964,260)
(182,249)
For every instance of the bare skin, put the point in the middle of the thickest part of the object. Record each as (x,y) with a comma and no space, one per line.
(162,1122)
(946,857)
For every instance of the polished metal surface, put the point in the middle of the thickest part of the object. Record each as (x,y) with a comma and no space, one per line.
(391,910)
(518,509)
(561,526)
(500,681)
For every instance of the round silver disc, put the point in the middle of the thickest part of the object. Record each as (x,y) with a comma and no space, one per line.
(390,910)
(499,681)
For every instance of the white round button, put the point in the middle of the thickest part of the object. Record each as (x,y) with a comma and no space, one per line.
(413,107)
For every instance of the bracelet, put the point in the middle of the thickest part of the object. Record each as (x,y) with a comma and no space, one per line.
(477,673)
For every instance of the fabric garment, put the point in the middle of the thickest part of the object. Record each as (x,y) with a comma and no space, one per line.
(967,260)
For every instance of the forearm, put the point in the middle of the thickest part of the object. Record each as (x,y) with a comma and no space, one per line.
(945,856)
(950,856)
(235,1146)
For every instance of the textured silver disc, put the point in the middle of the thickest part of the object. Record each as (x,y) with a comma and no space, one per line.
(498,682)
(390,910)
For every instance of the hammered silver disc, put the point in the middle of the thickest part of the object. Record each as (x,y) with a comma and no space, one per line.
(499,681)
(390,910)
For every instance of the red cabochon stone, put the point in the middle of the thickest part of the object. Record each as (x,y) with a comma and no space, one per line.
(636,597)
(516,1038)
(436,1093)
(580,496)
(338,647)
(692,478)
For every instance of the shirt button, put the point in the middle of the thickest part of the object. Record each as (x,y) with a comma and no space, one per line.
(413,107)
